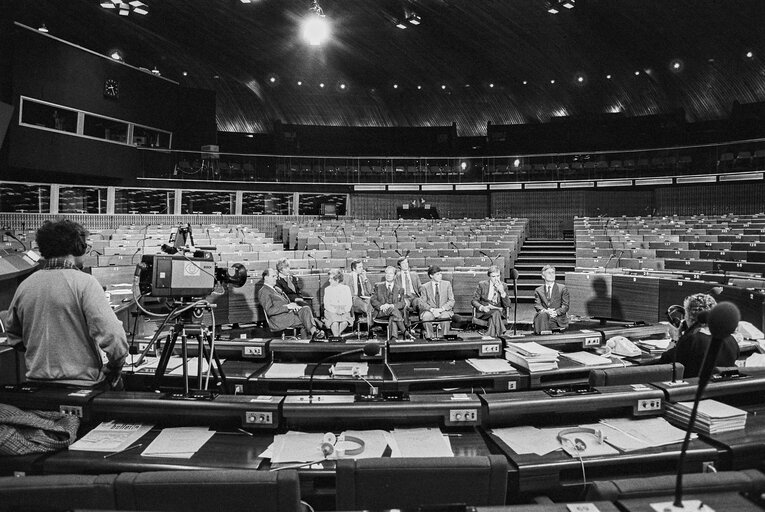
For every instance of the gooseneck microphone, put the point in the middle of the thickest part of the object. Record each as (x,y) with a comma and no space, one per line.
(723,320)
(378,248)
(11,235)
(322,241)
(370,349)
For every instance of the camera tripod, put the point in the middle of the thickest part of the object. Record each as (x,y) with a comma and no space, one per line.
(183,328)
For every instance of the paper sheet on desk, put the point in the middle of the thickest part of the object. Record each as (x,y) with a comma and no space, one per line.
(178,443)
(629,435)
(419,442)
(297,447)
(526,439)
(110,436)
(375,443)
(285,371)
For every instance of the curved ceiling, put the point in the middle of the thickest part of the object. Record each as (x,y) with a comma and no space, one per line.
(533,58)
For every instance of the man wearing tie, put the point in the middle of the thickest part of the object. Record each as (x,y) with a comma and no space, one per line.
(361,290)
(283,313)
(436,302)
(490,300)
(551,302)
(388,302)
(409,282)
(288,283)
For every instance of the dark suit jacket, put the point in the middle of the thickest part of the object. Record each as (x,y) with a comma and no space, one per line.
(294,292)
(559,300)
(481,296)
(381,296)
(275,306)
(692,346)
(349,278)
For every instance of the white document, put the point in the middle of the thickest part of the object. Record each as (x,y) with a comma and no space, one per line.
(586,358)
(755,360)
(110,436)
(629,435)
(491,365)
(524,440)
(350,369)
(421,442)
(297,447)
(285,371)
(532,348)
(178,443)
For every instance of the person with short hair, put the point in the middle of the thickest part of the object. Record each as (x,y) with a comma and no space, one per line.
(436,302)
(551,300)
(361,290)
(288,283)
(409,282)
(62,317)
(691,345)
(337,303)
(490,300)
(282,312)
(388,301)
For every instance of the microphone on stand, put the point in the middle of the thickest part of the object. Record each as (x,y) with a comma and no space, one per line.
(395,233)
(455,246)
(314,261)
(492,260)
(11,235)
(370,349)
(378,248)
(321,239)
(514,275)
(723,320)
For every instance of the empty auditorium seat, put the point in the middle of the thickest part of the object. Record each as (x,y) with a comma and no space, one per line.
(635,375)
(57,492)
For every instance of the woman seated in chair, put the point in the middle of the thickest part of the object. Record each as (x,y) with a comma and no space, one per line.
(337,303)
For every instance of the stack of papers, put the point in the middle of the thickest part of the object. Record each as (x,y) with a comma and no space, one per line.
(532,356)
(654,346)
(285,371)
(349,369)
(713,416)
(491,365)
(526,439)
(178,443)
(587,359)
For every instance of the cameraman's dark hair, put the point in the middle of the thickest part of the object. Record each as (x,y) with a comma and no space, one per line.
(354,264)
(59,238)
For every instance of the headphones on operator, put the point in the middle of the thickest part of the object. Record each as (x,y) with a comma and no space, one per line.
(332,444)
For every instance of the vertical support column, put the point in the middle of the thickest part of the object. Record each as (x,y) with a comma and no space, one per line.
(348,211)
(111,194)
(295,209)
(178,204)
(54,194)
(238,205)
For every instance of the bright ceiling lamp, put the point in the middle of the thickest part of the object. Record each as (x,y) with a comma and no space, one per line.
(125,8)
(315,26)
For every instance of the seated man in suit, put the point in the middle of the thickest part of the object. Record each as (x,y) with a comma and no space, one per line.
(409,281)
(361,290)
(388,302)
(551,302)
(282,312)
(436,302)
(288,283)
(490,300)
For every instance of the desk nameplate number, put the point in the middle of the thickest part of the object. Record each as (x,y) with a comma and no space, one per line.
(490,348)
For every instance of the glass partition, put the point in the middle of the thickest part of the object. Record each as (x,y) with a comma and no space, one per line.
(20,198)
(82,200)
(322,204)
(265,203)
(208,202)
(52,117)
(142,200)
(150,138)
(104,128)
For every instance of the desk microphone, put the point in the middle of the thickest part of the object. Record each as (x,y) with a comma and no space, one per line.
(491,260)
(314,261)
(11,235)
(723,320)
(322,241)
(370,349)
(608,261)
(378,248)
(455,246)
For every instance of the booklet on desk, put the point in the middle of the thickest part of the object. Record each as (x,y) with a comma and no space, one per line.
(110,436)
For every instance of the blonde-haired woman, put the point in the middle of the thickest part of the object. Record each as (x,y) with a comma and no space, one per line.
(337,303)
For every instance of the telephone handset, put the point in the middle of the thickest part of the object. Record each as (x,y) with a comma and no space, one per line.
(621,346)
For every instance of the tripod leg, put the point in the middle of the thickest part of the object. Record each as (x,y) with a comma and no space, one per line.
(185,352)
(159,373)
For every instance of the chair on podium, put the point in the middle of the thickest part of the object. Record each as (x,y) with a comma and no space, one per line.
(388,483)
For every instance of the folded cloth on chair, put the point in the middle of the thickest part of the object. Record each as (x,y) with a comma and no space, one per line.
(23,432)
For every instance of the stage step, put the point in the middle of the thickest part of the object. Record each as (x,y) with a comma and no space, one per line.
(534,255)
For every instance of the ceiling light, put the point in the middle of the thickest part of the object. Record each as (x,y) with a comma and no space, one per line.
(125,8)
(321,85)
(107,5)
(272,79)
(568,4)
(43,28)
(401,25)
(342,86)
(608,77)
(749,54)
(491,86)
(246,1)
(395,86)
(552,81)
(525,82)
(443,87)
(155,71)
(414,19)
(315,26)
(637,73)
(124,12)
(300,82)
(419,87)
(116,55)
(553,9)
(185,73)
(580,79)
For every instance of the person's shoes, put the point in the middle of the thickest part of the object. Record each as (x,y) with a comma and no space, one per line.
(408,335)
(318,335)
